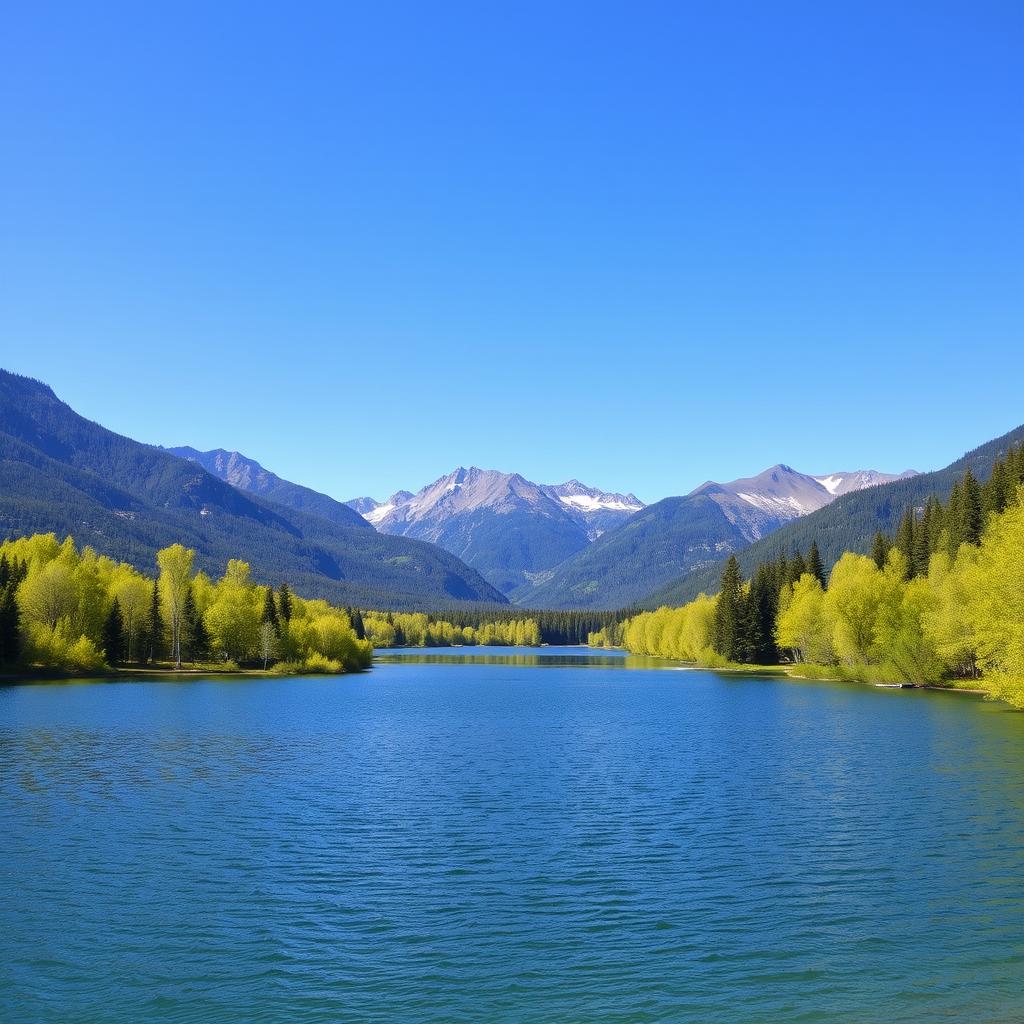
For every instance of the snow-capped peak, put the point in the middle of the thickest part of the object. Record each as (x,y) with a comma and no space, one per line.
(781,493)
(590,500)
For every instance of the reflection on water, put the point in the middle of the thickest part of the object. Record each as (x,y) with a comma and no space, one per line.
(535,657)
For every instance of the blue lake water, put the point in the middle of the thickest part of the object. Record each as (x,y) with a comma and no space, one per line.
(509,836)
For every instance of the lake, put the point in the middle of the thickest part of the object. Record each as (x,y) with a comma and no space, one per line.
(509,836)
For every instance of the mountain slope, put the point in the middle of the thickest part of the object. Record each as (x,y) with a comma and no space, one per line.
(654,545)
(248,475)
(679,535)
(60,472)
(501,524)
(847,524)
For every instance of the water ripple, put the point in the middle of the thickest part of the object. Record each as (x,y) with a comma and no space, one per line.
(442,842)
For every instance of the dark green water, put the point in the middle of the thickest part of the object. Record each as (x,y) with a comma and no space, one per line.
(522,840)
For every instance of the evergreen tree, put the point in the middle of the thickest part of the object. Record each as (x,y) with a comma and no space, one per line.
(284,603)
(748,634)
(797,567)
(763,601)
(270,610)
(996,492)
(358,624)
(155,628)
(815,566)
(921,554)
(728,611)
(973,513)
(200,640)
(782,572)
(955,519)
(113,640)
(880,549)
(194,636)
(937,523)
(905,540)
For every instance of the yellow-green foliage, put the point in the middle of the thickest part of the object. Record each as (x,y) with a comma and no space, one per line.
(993,581)
(67,595)
(962,618)
(403,629)
(317,638)
(681,633)
(64,600)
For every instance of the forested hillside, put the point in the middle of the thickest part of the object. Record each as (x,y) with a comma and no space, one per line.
(942,597)
(652,547)
(848,524)
(64,474)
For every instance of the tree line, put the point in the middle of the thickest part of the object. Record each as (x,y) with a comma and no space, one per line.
(75,610)
(418,629)
(558,628)
(942,598)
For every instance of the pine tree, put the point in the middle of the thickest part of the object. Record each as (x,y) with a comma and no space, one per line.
(199,637)
(358,625)
(815,566)
(270,610)
(155,627)
(995,493)
(880,549)
(763,601)
(748,633)
(797,567)
(921,554)
(728,611)
(973,513)
(284,603)
(194,637)
(1017,475)
(954,519)
(113,640)
(905,540)
(937,523)
(781,572)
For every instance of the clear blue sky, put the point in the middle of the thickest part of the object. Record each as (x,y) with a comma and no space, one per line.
(641,244)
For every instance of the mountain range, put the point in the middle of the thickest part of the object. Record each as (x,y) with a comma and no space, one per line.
(847,524)
(503,525)
(248,475)
(566,545)
(574,546)
(473,535)
(60,472)
(679,535)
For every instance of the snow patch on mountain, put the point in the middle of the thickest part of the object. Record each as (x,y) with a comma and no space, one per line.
(591,503)
(843,483)
(378,513)
(831,483)
(788,507)
(762,503)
